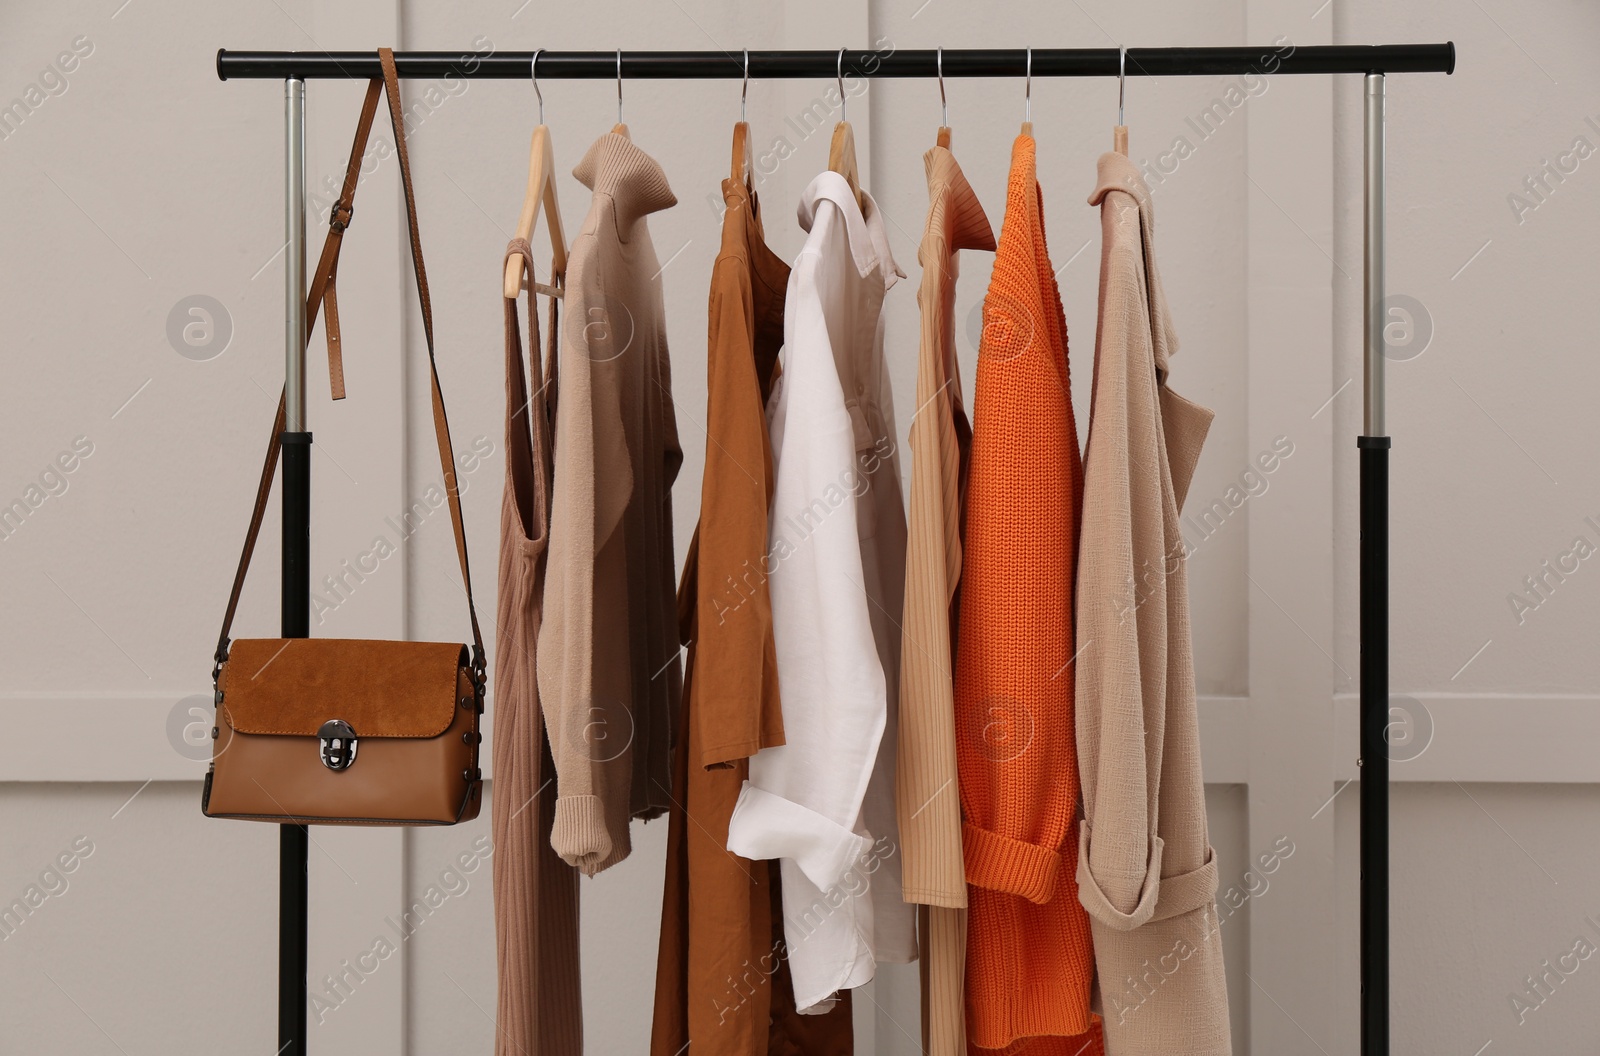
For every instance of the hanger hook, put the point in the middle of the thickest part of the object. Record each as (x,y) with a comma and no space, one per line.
(619,86)
(944,106)
(1122,74)
(536,90)
(744,93)
(839,74)
(1027,98)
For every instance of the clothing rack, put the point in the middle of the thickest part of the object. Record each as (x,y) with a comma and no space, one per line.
(1374,62)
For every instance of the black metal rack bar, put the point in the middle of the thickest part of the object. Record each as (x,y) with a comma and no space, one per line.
(1372,61)
(691,65)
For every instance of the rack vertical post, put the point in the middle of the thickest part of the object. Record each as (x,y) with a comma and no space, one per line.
(293,902)
(1374,603)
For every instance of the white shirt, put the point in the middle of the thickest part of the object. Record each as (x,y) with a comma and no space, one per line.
(823,802)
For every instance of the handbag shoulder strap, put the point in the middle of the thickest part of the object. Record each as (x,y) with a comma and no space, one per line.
(322,291)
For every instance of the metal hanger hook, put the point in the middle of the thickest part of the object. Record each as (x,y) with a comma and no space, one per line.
(1027,98)
(839,74)
(944,106)
(536,90)
(744,93)
(619,86)
(1122,82)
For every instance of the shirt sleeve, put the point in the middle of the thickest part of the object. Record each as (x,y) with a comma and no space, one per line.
(803,799)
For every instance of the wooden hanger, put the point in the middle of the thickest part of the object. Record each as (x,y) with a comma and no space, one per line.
(842,158)
(1119,135)
(842,151)
(742,168)
(943,137)
(541,192)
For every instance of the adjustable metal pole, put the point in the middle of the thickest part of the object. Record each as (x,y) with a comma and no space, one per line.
(296,611)
(1374,445)
(1373,423)
(294,94)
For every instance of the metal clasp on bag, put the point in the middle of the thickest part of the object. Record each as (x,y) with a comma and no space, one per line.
(338,744)
(220,658)
(480,679)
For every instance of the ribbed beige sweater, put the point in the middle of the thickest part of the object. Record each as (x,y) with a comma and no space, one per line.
(609,673)
(1146,872)
(535,892)
(927,796)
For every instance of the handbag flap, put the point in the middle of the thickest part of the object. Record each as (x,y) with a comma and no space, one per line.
(292,686)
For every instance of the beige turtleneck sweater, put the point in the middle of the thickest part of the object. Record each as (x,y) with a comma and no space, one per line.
(609,675)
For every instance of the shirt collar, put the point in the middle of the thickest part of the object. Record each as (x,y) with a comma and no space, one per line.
(632,179)
(864,228)
(742,233)
(744,240)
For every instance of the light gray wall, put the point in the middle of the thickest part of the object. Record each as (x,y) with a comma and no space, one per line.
(139,181)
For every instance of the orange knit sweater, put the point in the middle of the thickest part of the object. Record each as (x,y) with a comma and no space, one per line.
(1029,959)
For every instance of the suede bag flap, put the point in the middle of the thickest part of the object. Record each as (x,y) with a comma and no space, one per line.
(291,686)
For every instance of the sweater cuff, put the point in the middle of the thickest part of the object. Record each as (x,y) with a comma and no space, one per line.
(766,826)
(1000,863)
(579,833)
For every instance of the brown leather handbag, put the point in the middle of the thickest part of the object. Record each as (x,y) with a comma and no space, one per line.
(338,731)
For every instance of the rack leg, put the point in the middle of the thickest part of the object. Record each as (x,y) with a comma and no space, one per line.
(1374,745)
(296,611)
(1374,605)
(292,910)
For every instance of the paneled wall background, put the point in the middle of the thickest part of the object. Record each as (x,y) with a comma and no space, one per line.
(137,187)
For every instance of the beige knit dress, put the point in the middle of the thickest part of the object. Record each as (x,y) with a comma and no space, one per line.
(535,892)
(1146,872)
